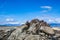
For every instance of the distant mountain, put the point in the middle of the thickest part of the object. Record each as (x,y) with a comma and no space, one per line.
(10,25)
(13,25)
(55,24)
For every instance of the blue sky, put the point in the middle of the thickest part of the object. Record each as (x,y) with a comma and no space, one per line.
(19,11)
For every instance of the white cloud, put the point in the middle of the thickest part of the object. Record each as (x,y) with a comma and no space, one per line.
(55,20)
(9,19)
(13,22)
(46,7)
(50,19)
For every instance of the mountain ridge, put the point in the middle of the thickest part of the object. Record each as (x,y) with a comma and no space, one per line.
(51,24)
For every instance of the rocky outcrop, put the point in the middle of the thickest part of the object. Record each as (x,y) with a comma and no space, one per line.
(33,30)
(4,34)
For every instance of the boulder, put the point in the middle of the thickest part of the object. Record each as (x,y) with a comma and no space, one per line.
(47,30)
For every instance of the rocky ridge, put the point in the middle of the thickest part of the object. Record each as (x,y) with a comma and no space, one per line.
(33,30)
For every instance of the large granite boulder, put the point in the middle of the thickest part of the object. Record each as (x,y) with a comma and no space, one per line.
(47,30)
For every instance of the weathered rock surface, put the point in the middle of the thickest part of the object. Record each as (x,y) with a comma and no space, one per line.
(4,34)
(47,30)
(32,37)
(33,30)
